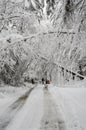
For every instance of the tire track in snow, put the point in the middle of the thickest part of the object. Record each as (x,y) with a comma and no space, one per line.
(52,119)
(21,100)
(30,115)
(13,109)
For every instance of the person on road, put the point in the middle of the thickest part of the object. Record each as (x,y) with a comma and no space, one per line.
(46,83)
(43,80)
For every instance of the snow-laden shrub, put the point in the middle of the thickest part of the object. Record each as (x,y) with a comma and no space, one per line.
(13,74)
(82,66)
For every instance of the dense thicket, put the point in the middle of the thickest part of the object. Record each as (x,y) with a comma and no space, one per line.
(55,32)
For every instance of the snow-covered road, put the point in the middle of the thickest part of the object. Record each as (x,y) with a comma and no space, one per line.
(43,109)
(52,118)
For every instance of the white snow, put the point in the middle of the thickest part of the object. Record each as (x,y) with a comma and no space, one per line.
(75,107)
(42,109)
(30,115)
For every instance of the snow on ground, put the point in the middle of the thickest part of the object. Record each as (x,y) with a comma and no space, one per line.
(52,118)
(30,115)
(9,102)
(75,107)
(37,108)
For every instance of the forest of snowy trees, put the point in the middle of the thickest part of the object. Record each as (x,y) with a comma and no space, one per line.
(42,36)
